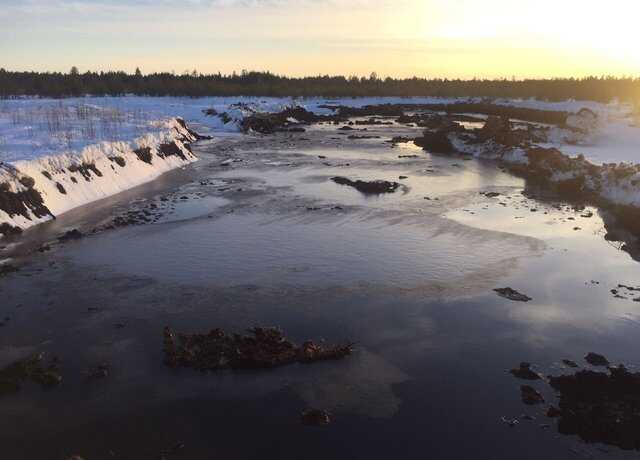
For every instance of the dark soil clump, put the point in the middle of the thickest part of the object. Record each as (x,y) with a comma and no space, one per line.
(596,360)
(5,269)
(376,187)
(315,417)
(530,395)
(524,372)
(264,348)
(512,294)
(32,368)
(601,407)
(144,154)
(436,142)
(171,149)
(74,234)
(85,169)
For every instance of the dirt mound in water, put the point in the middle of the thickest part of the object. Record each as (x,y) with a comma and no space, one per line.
(269,123)
(375,187)
(263,348)
(483,108)
(13,376)
(600,407)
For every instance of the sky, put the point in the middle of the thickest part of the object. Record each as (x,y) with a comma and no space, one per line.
(399,38)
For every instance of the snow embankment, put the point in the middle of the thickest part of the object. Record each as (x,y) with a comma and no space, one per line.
(37,190)
(543,154)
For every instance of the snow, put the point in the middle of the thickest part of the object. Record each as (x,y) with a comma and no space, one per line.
(31,128)
(115,167)
(50,135)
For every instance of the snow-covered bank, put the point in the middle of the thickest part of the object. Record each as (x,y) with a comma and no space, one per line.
(36,190)
(541,154)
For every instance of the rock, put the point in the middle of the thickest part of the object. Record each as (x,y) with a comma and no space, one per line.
(524,372)
(375,187)
(512,294)
(596,360)
(530,395)
(315,417)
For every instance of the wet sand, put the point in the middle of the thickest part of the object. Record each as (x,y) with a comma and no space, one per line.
(256,233)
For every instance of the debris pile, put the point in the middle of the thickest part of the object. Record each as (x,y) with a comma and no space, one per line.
(512,294)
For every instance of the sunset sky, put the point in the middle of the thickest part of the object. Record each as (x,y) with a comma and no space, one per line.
(433,38)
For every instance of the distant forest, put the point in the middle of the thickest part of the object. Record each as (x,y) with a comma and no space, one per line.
(194,84)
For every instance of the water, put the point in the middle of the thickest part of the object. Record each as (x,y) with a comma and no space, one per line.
(410,280)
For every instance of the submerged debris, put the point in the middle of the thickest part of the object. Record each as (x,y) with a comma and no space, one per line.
(315,417)
(596,360)
(600,407)
(375,187)
(553,412)
(511,422)
(32,368)
(524,372)
(74,234)
(512,294)
(98,372)
(530,395)
(5,269)
(263,348)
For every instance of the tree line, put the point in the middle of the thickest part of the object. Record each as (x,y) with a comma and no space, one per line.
(194,84)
